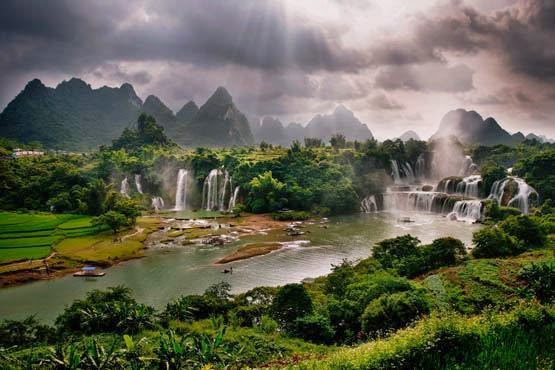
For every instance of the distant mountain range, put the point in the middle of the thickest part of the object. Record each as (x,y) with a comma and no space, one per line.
(470,128)
(340,121)
(73,116)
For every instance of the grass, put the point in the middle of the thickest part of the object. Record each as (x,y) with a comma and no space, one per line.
(31,235)
(101,248)
(521,339)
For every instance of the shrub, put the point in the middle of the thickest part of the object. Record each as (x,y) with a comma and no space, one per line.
(26,332)
(314,328)
(389,250)
(444,252)
(541,280)
(527,230)
(493,242)
(291,216)
(291,302)
(394,311)
(267,324)
(113,310)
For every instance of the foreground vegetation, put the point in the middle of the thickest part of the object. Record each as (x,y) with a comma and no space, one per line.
(408,306)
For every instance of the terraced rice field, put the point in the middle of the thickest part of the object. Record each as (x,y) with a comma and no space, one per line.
(31,235)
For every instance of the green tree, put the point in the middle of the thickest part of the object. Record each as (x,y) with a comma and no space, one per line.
(338,141)
(493,242)
(388,251)
(290,303)
(312,142)
(491,172)
(526,229)
(266,193)
(114,220)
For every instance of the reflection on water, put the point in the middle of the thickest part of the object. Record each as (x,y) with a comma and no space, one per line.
(168,273)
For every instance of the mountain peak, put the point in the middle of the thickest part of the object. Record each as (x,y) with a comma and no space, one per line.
(341,110)
(221,96)
(34,84)
(410,134)
(187,112)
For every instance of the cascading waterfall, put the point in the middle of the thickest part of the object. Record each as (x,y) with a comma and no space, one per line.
(520,199)
(396,174)
(138,185)
(467,210)
(409,201)
(403,174)
(233,199)
(217,191)
(470,186)
(124,188)
(157,203)
(369,205)
(181,190)
(222,194)
(468,166)
(420,168)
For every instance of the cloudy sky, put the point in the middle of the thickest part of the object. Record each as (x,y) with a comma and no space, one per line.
(397,64)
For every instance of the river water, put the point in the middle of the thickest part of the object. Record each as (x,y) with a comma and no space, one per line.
(167,273)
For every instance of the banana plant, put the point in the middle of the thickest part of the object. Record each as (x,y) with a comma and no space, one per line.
(132,355)
(64,357)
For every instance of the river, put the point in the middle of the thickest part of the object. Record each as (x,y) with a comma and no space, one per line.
(165,274)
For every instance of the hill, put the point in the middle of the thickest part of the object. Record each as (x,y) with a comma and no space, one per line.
(343,121)
(72,116)
(470,128)
(406,136)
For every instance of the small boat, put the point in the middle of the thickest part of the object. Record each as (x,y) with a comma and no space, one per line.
(89,271)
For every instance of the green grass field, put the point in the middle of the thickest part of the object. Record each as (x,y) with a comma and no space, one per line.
(31,235)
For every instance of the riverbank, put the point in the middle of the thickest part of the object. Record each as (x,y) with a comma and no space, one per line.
(249,251)
(105,250)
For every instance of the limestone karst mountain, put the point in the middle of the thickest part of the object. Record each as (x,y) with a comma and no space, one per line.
(343,121)
(407,135)
(74,116)
(470,128)
(219,123)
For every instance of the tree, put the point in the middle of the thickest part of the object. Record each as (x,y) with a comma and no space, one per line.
(491,172)
(312,142)
(527,230)
(493,242)
(290,303)
(338,141)
(394,311)
(388,251)
(444,252)
(112,219)
(266,193)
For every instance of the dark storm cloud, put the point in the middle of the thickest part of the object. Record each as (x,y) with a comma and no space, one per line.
(426,77)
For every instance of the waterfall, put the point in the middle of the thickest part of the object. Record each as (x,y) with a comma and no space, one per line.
(223,191)
(138,183)
(368,204)
(470,186)
(157,203)
(467,210)
(233,199)
(181,191)
(216,190)
(420,168)
(396,174)
(403,174)
(468,166)
(124,188)
(409,201)
(520,199)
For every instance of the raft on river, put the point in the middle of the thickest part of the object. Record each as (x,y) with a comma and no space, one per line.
(89,271)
